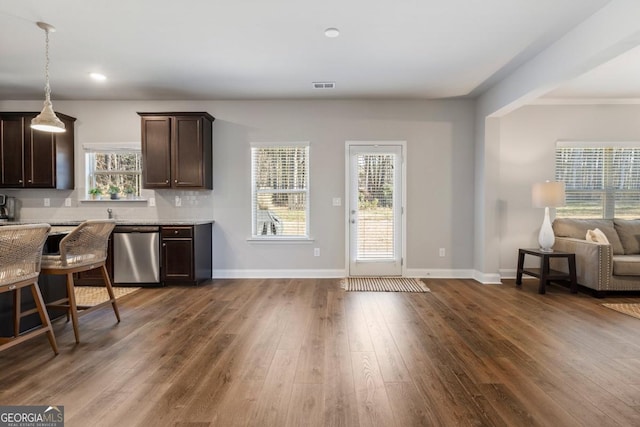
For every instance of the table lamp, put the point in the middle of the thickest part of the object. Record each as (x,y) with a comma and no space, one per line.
(545,195)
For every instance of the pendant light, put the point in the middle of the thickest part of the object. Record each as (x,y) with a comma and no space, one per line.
(47,120)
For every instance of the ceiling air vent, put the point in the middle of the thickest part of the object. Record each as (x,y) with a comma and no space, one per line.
(324,85)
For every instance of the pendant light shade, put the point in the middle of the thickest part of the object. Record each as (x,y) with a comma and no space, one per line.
(47,120)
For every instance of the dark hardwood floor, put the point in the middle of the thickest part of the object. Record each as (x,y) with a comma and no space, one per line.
(304,352)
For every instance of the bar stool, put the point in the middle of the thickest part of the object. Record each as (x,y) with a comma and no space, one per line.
(83,249)
(20,258)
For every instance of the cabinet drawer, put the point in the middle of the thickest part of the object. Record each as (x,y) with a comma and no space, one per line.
(177,232)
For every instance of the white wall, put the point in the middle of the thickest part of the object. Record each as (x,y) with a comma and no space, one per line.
(440,164)
(528,136)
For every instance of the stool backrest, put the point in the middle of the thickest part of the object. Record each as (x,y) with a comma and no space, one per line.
(87,242)
(21,251)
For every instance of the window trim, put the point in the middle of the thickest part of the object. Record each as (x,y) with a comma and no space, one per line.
(257,238)
(91,148)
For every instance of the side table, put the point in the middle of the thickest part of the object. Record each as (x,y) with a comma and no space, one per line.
(544,273)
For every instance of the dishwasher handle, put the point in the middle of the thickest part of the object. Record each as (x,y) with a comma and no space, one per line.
(136,229)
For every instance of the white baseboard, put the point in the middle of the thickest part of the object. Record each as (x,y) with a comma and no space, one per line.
(436,273)
(487,278)
(278,274)
(338,273)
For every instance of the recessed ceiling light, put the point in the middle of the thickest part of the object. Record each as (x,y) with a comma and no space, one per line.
(98,77)
(332,32)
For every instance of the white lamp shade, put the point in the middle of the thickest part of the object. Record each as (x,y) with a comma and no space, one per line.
(548,194)
(47,120)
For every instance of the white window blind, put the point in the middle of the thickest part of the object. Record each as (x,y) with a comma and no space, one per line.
(602,179)
(376,227)
(280,190)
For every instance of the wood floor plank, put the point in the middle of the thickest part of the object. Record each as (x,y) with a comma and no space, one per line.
(341,407)
(373,403)
(306,407)
(359,339)
(272,404)
(390,361)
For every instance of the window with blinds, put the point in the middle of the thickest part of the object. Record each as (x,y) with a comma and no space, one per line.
(280,190)
(602,179)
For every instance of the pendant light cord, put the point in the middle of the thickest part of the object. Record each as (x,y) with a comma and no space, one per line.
(47,87)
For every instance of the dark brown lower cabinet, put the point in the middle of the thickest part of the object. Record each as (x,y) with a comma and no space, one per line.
(186,254)
(185,257)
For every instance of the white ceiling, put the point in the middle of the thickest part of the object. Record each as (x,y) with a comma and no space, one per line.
(269,49)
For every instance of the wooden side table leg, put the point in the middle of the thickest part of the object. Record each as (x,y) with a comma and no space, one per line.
(544,272)
(572,273)
(520,267)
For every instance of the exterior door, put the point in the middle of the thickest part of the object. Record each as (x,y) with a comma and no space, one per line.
(375,209)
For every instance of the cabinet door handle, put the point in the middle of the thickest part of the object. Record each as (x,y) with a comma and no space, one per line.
(19,181)
(29,181)
(175,231)
(175,180)
(164,245)
(166,181)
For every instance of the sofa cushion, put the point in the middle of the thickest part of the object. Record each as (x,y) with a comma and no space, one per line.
(577,229)
(629,233)
(626,265)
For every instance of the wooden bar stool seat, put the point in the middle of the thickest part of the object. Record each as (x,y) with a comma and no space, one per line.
(83,249)
(20,258)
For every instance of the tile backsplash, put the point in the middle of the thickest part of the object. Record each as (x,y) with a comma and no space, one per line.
(71,206)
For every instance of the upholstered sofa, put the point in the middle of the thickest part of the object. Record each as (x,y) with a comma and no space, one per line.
(601,266)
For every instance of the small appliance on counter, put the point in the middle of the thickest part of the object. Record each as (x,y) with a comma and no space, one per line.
(7,208)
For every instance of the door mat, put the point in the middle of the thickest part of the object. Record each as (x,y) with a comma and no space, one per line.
(628,309)
(384,284)
(93,295)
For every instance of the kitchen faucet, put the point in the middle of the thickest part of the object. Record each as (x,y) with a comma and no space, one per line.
(110,213)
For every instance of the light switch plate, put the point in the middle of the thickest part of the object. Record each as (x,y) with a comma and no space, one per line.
(47,202)
(67,202)
(337,201)
(152,201)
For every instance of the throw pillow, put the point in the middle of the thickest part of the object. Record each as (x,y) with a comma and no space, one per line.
(597,236)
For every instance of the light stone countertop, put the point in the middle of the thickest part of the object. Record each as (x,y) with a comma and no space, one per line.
(71,223)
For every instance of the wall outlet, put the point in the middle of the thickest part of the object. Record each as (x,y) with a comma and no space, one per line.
(152,201)
(47,202)
(178,201)
(316,251)
(67,202)
(442,252)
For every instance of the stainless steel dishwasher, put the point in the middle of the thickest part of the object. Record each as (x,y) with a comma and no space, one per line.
(136,255)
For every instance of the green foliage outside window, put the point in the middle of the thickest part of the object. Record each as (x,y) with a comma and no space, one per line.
(117,169)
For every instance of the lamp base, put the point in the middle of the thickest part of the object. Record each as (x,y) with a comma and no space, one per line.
(546,238)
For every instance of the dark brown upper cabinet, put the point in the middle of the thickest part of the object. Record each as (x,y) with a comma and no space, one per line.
(177,150)
(35,159)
